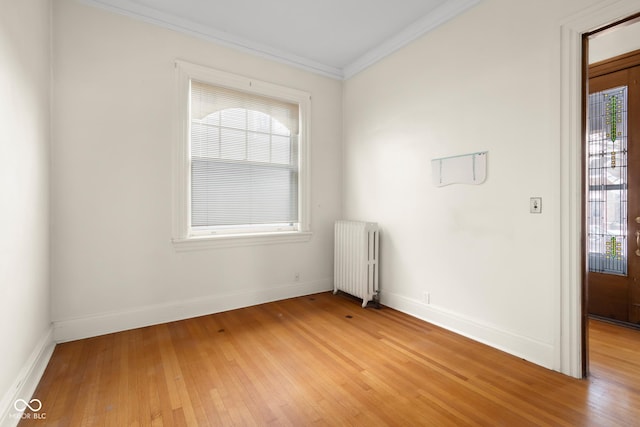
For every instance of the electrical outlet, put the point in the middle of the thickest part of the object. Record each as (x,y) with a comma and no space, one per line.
(426,298)
(535,205)
(296,277)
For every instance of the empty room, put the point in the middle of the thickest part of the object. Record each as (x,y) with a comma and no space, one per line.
(179,178)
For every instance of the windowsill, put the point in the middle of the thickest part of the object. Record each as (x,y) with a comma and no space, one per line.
(235,240)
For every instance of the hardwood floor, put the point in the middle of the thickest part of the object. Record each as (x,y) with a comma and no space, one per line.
(324,360)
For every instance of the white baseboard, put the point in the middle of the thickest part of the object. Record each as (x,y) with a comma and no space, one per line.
(26,382)
(534,351)
(106,323)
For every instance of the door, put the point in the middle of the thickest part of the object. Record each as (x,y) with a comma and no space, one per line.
(613,191)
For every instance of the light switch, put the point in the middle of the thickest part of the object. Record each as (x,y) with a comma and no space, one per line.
(535,205)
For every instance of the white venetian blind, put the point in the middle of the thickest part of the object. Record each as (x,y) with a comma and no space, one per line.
(244,161)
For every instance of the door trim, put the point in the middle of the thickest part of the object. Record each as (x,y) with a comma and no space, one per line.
(571,354)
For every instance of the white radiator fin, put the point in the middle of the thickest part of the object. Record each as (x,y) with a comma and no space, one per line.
(356,259)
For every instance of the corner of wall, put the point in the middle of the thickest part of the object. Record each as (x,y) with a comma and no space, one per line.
(22,390)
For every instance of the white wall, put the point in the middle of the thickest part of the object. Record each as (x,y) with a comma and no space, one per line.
(113,264)
(488,80)
(24,216)
(613,43)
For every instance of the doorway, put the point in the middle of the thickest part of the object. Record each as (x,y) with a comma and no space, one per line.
(611,177)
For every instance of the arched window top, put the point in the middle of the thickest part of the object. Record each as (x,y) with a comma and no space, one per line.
(249,120)
(208,100)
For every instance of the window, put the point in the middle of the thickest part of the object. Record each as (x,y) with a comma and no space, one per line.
(607,197)
(241,161)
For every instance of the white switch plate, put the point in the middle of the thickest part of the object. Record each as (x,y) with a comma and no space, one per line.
(535,205)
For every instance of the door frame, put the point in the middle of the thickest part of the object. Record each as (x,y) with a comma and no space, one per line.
(572,338)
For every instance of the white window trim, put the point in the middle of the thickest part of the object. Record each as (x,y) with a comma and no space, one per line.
(181,238)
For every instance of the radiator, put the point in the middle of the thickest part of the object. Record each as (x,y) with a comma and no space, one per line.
(356,259)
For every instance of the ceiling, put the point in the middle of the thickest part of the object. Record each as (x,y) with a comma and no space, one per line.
(337,38)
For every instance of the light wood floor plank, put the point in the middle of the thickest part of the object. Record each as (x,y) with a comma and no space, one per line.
(323,360)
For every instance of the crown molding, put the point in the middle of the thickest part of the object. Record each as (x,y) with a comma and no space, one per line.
(434,19)
(439,16)
(152,16)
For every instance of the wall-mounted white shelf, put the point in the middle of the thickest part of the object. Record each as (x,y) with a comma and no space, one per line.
(463,169)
